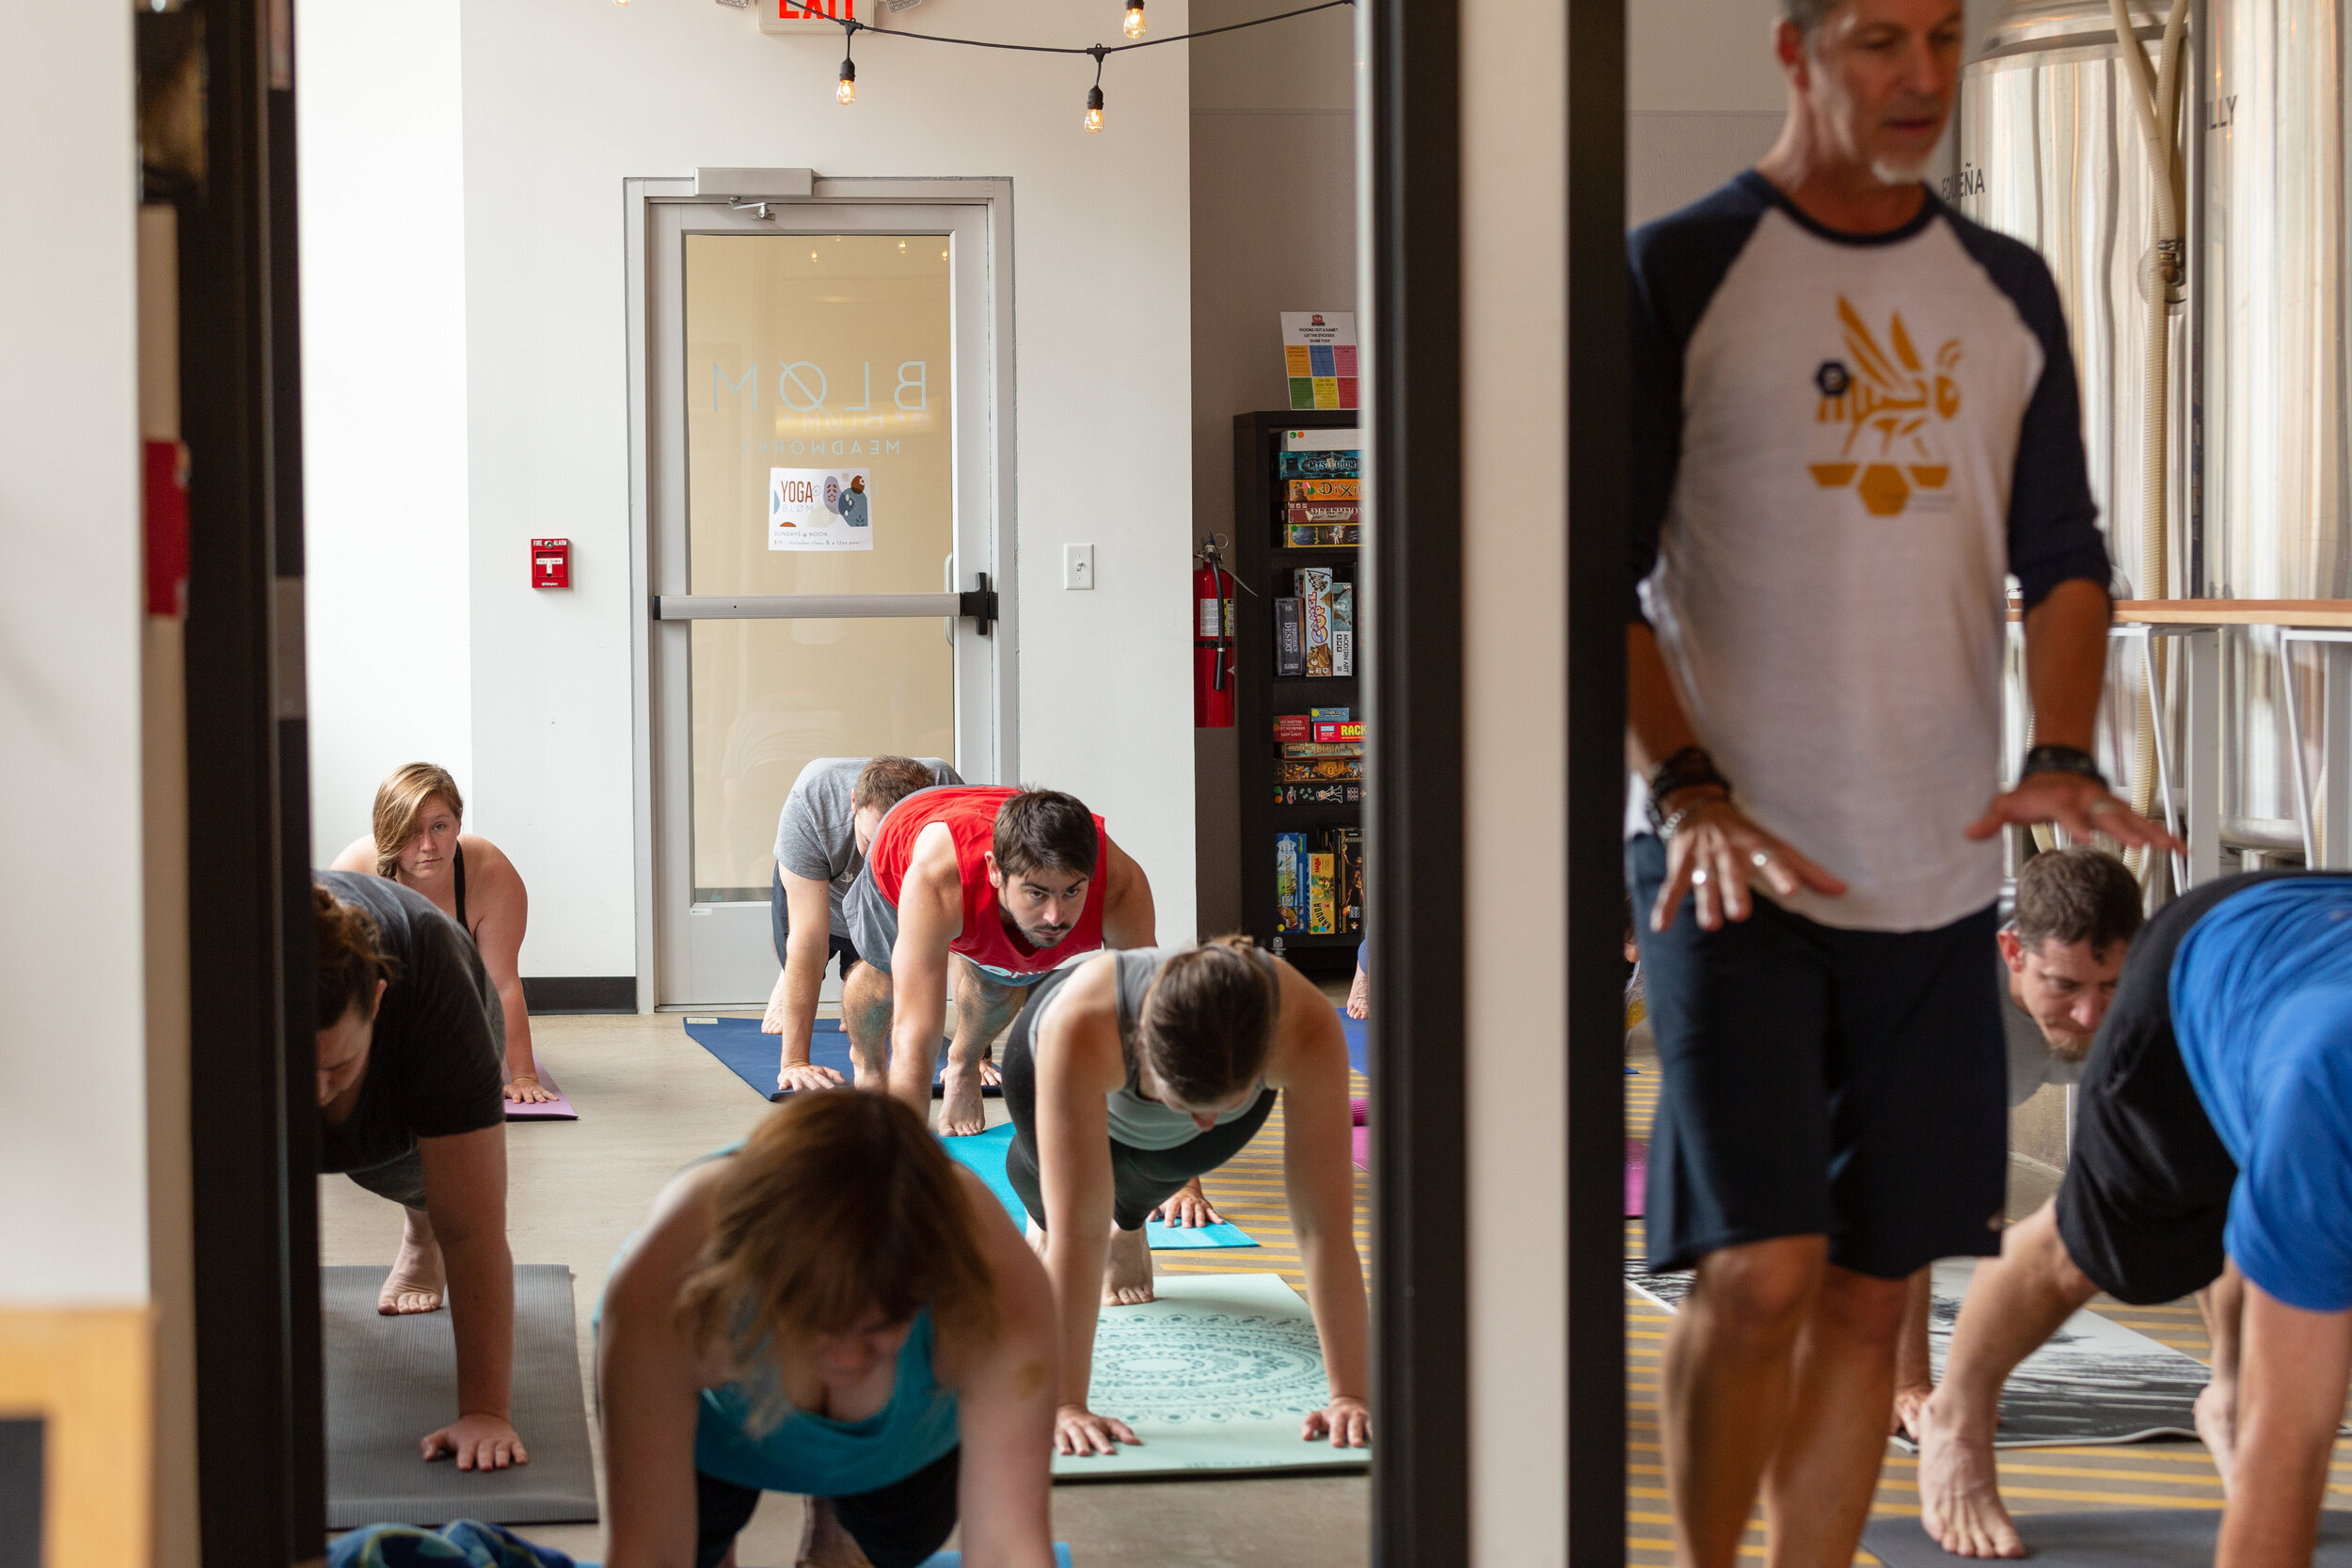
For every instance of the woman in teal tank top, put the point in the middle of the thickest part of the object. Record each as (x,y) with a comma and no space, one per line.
(837,1310)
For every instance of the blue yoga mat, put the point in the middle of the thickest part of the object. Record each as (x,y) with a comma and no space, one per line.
(984,1154)
(752,1056)
(955,1560)
(1359,1032)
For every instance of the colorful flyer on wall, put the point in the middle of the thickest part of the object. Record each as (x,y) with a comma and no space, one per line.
(821,509)
(1319,358)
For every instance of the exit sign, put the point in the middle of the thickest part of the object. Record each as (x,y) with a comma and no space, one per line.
(807,16)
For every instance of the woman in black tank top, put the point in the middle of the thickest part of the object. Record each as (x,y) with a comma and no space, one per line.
(418,843)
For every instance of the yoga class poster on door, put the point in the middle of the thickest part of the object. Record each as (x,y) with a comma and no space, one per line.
(821,509)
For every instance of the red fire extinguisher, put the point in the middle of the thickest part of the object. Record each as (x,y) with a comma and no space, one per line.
(1213,649)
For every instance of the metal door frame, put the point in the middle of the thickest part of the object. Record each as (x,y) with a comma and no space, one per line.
(800,189)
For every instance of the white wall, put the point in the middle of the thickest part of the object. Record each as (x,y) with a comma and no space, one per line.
(73,1055)
(1274,230)
(1704,98)
(558,108)
(384,403)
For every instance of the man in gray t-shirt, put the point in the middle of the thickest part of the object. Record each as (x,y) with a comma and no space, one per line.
(821,835)
(2060,956)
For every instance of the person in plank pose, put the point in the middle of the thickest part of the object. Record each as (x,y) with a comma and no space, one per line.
(821,835)
(1133,1073)
(2213,1154)
(408,1096)
(835,1310)
(417,841)
(2060,955)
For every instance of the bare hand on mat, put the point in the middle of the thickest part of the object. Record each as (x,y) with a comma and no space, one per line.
(2083,806)
(1080,1431)
(526,1090)
(794,1076)
(1716,854)
(479,1443)
(1188,1208)
(1347,1422)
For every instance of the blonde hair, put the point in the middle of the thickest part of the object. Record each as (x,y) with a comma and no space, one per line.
(840,1202)
(399,800)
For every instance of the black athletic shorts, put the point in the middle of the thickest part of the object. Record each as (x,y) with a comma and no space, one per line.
(897,1526)
(2147,1190)
(836,946)
(1141,1178)
(1821,1081)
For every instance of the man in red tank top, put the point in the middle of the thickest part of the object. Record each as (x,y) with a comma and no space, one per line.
(1014,882)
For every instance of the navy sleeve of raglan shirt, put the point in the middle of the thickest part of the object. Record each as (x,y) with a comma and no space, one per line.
(1677,262)
(2053,523)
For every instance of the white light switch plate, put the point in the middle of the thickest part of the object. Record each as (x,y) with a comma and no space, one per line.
(1077,565)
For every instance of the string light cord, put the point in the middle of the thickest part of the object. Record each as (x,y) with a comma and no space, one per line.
(850,26)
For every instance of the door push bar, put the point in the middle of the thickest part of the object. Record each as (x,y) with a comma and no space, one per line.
(977,604)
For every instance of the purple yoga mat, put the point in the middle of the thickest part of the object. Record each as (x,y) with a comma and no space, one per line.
(1361,1142)
(558,1109)
(1636,1176)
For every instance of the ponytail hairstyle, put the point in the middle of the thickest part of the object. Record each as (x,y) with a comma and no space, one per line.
(399,800)
(350,961)
(1207,1021)
(840,1203)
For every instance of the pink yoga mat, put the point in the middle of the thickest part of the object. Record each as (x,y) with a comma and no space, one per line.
(558,1109)
(1361,1142)
(1636,1176)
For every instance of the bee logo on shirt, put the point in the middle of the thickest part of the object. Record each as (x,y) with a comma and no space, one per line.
(1888,405)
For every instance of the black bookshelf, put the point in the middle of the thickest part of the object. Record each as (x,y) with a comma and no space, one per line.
(1259,694)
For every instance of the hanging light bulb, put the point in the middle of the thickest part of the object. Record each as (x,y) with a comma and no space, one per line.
(1134,25)
(847,92)
(1095,109)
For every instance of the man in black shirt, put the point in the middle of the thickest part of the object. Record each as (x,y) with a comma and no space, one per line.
(411,1094)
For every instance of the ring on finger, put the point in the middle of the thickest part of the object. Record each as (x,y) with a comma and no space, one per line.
(1761,859)
(2104,804)
(1698,878)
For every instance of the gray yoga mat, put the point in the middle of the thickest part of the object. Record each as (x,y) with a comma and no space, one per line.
(390,1381)
(2111,1537)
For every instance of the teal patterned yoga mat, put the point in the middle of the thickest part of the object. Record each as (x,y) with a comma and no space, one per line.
(1215,1375)
(984,1154)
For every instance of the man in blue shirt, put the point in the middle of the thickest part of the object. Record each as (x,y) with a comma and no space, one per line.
(1852,417)
(2213,1154)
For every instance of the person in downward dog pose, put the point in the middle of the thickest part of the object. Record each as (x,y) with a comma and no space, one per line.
(835,1310)
(408,1096)
(1132,1074)
(415,841)
(822,837)
(2211,1155)
(2061,956)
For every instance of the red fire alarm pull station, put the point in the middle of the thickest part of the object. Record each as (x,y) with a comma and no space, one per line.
(550,564)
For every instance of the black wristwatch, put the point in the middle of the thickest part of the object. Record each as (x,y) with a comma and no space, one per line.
(2062,759)
(1687,768)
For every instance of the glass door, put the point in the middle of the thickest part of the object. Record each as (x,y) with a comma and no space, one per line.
(820,520)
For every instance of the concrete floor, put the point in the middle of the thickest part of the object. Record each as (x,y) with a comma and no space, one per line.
(651,1101)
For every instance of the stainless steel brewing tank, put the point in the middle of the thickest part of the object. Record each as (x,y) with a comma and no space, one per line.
(2051,152)
(2272,289)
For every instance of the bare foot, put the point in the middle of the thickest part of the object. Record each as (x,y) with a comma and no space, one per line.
(990,1077)
(2216,1423)
(1128,1281)
(960,1112)
(416,1282)
(1959,1490)
(1360,997)
(1909,1405)
(823,1543)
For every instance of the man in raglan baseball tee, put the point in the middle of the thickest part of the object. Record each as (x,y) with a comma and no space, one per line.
(1854,415)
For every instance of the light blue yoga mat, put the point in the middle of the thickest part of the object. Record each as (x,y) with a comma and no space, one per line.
(752,1056)
(1217,1375)
(1358,1033)
(984,1153)
(955,1560)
